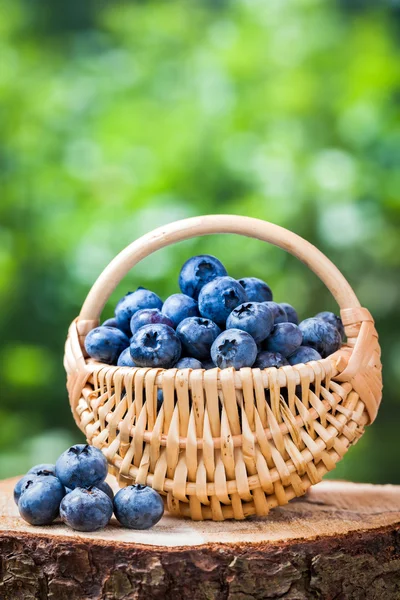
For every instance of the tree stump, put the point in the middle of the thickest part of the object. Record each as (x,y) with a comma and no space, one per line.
(341,541)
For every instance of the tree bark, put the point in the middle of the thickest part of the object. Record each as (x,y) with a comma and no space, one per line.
(341,541)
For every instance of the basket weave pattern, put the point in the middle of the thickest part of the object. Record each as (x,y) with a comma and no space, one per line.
(225,443)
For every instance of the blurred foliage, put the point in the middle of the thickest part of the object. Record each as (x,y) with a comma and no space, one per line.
(119,117)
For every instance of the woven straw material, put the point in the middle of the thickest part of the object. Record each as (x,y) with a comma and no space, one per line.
(226,444)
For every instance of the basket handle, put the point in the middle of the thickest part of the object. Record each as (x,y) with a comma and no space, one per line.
(212,224)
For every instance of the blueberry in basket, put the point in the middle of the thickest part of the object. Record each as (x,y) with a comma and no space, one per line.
(291,312)
(131,303)
(197,271)
(234,348)
(320,335)
(278,311)
(333,319)
(149,316)
(197,336)
(155,346)
(256,289)
(188,363)
(105,344)
(218,298)
(255,318)
(178,307)
(285,338)
(125,359)
(304,354)
(182,332)
(267,359)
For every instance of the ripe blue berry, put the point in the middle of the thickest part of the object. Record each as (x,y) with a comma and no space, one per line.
(155,346)
(125,359)
(103,486)
(256,289)
(234,348)
(179,307)
(291,313)
(197,271)
(320,335)
(188,363)
(44,469)
(110,323)
(269,359)
(86,509)
(105,344)
(278,311)
(81,466)
(218,298)
(131,303)
(149,316)
(334,320)
(197,336)
(138,507)
(303,355)
(254,317)
(40,499)
(285,338)
(208,364)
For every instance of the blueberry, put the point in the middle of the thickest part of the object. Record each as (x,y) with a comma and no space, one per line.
(278,311)
(131,303)
(149,316)
(81,466)
(320,335)
(86,509)
(40,499)
(125,359)
(197,271)
(105,344)
(43,469)
(218,298)
(110,323)
(208,364)
(179,307)
(269,359)
(256,289)
(197,336)
(285,338)
(234,348)
(138,507)
(255,318)
(103,486)
(188,363)
(334,320)
(155,346)
(291,313)
(303,355)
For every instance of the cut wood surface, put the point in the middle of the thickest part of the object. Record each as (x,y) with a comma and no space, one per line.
(340,541)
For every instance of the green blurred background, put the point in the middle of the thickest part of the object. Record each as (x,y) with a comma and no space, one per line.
(118,117)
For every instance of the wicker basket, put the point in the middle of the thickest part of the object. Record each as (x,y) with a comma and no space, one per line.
(226,444)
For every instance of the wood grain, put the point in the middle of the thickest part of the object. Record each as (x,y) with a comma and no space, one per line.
(341,541)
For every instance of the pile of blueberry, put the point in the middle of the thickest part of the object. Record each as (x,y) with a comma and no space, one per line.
(216,321)
(75,489)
